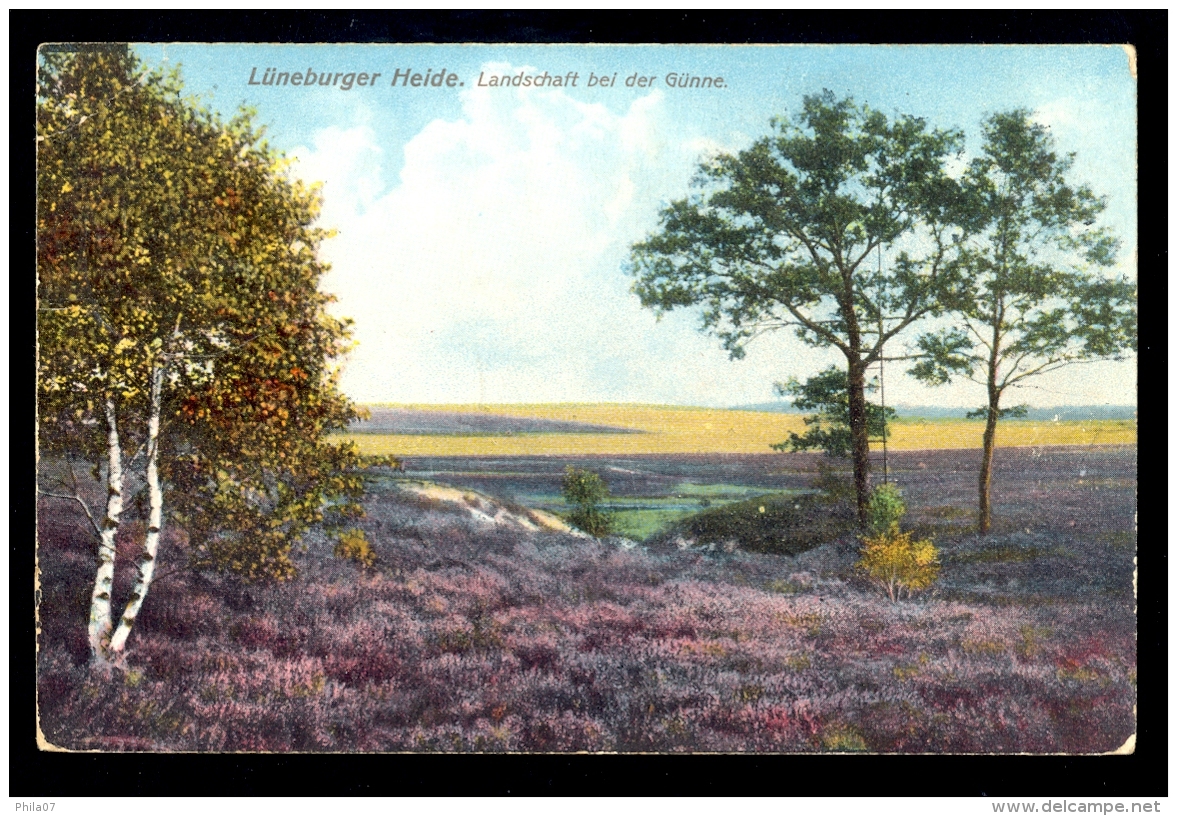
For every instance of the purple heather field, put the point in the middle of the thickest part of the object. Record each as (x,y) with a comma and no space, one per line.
(476,635)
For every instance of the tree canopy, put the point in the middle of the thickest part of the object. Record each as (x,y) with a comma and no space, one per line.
(790,233)
(826,395)
(1036,296)
(180,323)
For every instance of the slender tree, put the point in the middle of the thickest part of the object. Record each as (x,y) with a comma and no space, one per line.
(1036,297)
(100,240)
(176,260)
(785,234)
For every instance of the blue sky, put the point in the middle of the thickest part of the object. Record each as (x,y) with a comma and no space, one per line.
(482,232)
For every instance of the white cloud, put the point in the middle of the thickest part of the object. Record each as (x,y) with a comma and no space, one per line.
(493,270)
(348,164)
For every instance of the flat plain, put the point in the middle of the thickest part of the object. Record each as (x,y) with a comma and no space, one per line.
(657,429)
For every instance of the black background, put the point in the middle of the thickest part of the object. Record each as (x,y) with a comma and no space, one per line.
(34,773)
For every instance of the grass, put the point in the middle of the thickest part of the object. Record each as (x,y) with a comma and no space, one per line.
(686,430)
(641,517)
(641,524)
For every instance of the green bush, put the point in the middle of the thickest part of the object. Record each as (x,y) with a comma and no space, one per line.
(899,565)
(885,509)
(836,484)
(586,490)
(892,559)
(828,394)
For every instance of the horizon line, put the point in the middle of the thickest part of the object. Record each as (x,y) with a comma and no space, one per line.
(750,406)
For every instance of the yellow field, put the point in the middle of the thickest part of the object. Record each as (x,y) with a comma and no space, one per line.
(670,429)
(917,434)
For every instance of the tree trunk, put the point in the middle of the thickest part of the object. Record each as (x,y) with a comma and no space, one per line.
(983,513)
(100,623)
(984,518)
(859,437)
(146,565)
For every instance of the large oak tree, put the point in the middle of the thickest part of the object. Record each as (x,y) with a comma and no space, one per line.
(785,234)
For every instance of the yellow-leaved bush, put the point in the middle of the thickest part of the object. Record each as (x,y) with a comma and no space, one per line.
(898,564)
(353,545)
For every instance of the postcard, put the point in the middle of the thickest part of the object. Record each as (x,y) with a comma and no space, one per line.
(586,398)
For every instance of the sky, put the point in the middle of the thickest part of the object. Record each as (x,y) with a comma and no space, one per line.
(482,233)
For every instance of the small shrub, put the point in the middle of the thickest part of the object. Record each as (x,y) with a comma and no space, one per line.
(892,559)
(842,738)
(353,545)
(586,490)
(886,508)
(596,523)
(583,487)
(898,564)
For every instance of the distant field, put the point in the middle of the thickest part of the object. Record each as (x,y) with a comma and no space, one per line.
(921,434)
(673,429)
(417,422)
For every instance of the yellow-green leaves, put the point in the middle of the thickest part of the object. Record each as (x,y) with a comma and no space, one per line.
(898,563)
(168,237)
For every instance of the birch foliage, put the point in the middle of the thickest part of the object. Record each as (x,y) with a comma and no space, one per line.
(180,327)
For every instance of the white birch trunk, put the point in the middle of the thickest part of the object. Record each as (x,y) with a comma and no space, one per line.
(146,565)
(100,622)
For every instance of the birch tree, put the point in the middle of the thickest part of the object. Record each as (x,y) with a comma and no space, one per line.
(785,233)
(111,246)
(1037,295)
(175,259)
(83,388)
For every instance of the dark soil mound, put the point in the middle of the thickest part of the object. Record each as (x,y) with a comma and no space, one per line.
(774,523)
